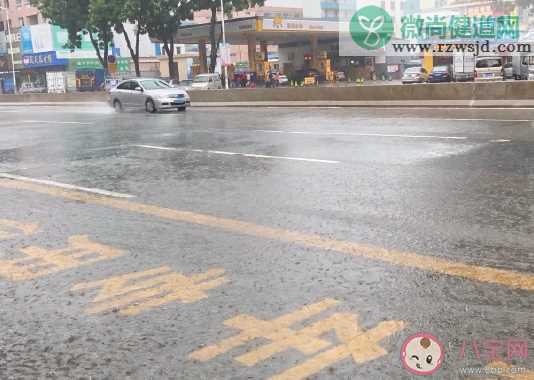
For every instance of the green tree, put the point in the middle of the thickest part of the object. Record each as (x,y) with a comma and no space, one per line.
(135,12)
(214,7)
(95,18)
(165,16)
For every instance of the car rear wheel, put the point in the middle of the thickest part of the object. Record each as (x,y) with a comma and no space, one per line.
(150,107)
(117,105)
(181,109)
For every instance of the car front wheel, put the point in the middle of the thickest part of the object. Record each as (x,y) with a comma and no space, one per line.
(150,107)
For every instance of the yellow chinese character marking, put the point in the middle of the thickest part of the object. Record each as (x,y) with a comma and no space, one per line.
(361,346)
(10,229)
(40,262)
(134,293)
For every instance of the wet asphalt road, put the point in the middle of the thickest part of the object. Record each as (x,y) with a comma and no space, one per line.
(437,187)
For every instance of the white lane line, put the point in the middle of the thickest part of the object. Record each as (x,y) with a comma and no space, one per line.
(67,186)
(364,134)
(54,122)
(239,154)
(500,141)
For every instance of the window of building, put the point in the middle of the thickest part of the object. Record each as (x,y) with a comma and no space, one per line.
(21,21)
(18,3)
(33,20)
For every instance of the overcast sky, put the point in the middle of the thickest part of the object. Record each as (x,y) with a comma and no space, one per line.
(311,7)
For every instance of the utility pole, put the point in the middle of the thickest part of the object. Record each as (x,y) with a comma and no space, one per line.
(225,64)
(11,48)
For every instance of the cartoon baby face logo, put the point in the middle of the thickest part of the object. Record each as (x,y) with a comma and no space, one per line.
(422,354)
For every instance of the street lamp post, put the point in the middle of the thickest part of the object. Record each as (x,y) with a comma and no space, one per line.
(11,49)
(225,47)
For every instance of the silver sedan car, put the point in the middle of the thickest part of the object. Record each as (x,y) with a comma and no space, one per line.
(151,94)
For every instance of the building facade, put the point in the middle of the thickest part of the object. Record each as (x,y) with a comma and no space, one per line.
(338,9)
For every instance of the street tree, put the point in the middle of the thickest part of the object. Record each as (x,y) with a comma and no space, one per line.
(165,16)
(136,12)
(95,18)
(229,7)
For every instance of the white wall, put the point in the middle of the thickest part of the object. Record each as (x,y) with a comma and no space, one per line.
(146,47)
(312,8)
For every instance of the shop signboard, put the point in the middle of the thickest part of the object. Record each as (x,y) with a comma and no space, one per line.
(123,64)
(41,38)
(26,40)
(60,41)
(44,59)
(282,24)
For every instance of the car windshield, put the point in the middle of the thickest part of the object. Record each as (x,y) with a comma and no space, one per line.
(185,82)
(489,63)
(202,79)
(154,84)
(413,70)
(440,69)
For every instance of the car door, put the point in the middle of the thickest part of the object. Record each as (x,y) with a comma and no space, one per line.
(123,93)
(138,97)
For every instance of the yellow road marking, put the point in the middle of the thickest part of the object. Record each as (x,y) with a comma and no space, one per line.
(10,229)
(362,346)
(507,278)
(40,262)
(134,293)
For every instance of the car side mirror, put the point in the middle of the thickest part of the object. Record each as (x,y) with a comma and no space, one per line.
(138,88)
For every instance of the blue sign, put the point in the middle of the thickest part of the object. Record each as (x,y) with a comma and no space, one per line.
(26,40)
(48,58)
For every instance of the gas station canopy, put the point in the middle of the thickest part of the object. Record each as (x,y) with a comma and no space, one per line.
(273,31)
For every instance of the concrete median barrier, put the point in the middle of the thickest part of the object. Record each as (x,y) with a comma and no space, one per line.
(444,91)
(506,94)
(59,98)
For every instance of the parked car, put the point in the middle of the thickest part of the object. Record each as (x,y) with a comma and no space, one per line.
(340,76)
(523,67)
(463,67)
(283,80)
(185,84)
(440,74)
(415,75)
(207,82)
(31,88)
(489,69)
(508,70)
(151,94)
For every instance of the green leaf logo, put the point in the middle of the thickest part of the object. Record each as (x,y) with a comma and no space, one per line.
(371,27)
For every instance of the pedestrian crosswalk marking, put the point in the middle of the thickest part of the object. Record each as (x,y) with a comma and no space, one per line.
(134,293)
(362,346)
